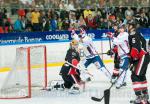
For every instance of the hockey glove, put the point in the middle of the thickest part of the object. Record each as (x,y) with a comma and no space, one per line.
(109,52)
(142,53)
(109,34)
(73,32)
(134,54)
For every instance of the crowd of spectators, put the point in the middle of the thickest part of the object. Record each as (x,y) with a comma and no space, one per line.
(68,17)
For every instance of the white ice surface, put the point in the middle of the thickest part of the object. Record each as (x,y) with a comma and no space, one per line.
(94,88)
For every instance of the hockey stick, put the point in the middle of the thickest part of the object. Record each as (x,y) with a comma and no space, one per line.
(110,43)
(102,53)
(85,71)
(100,99)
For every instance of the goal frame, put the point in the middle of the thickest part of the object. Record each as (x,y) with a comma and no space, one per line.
(29,95)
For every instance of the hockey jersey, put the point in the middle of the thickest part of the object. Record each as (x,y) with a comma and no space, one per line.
(72,57)
(72,54)
(121,41)
(137,45)
(87,46)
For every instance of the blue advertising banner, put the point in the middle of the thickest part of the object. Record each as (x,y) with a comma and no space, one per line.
(51,36)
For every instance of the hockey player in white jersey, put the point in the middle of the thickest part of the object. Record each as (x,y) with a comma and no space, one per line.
(121,41)
(90,52)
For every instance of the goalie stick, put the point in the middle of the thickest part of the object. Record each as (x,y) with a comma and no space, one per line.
(107,90)
(85,71)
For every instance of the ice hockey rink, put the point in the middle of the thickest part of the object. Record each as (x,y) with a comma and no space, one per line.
(94,88)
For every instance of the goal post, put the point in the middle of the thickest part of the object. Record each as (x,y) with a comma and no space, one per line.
(28,74)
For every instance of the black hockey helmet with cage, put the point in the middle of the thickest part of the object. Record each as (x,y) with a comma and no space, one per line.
(132,25)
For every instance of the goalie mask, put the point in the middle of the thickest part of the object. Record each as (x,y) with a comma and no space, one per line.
(74,44)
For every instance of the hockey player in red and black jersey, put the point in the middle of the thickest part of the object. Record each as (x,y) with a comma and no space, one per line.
(71,75)
(139,64)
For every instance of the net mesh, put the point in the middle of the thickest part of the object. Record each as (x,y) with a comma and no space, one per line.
(17,83)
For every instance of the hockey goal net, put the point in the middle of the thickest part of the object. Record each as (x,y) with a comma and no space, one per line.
(28,73)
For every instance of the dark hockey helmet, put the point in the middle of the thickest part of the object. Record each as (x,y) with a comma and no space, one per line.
(131,25)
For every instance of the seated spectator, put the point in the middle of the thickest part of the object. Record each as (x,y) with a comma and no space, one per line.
(21,12)
(71,7)
(28,17)
(65,24)
(18,25)
(73,19)
(81,21)
(59,23)
(72,27)
(53,23)
(45,24)
(112,17)
(87,12)
(62,5)
(143,20)
(6,25)
(35,15)
(24,23)
(103,24)
(1,29)
(129,13)
(91,22)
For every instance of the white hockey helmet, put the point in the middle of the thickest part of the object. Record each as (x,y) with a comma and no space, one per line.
(82,33)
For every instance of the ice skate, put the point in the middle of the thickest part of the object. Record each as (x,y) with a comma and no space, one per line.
(113,78)
(88,79)
(146,98)
(138,100)
(121,85)
(74,90)
(57,85)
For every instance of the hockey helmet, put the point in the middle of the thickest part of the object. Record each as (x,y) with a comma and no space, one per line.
(82,31)
(132,25)
(74,42)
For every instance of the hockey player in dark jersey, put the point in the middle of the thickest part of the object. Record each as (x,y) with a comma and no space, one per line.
(70,74)
(139,64)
